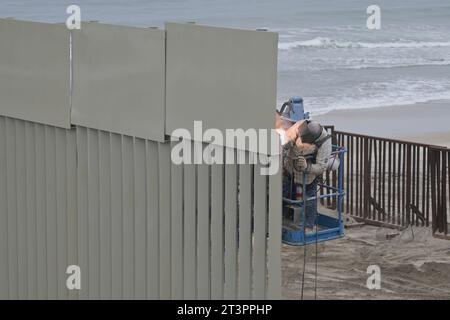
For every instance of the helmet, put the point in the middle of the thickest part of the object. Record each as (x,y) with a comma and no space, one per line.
(310,131)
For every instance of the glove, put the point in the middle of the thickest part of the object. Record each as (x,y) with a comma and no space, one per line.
(300,164)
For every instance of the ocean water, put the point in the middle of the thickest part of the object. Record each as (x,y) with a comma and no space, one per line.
(326,53)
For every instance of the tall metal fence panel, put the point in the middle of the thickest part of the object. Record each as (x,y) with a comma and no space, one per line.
(86,173)
(138,226)
(35,72)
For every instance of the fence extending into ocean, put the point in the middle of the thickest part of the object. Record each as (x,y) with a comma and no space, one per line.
(395,183)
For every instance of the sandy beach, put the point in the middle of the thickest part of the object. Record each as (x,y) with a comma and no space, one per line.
(422,122)
(414,265)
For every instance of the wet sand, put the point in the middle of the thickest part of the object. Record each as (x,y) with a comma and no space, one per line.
(422,122)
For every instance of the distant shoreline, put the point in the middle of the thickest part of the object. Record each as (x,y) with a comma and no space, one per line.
(425,122)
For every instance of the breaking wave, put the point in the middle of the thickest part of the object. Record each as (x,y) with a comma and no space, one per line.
(322,42)
(393,93)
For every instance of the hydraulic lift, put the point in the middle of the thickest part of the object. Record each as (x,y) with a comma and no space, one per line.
(328,226)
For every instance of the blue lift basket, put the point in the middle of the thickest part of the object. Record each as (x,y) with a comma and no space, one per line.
(327,227)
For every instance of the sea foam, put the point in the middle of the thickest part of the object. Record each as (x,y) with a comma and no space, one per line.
(323,42)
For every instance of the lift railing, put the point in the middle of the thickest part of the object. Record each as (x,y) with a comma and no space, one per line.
(328,227)
(394,183)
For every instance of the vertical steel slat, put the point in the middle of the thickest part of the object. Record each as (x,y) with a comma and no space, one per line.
(373,156)
(340,142)
(361,178)
(380,179)
(11,183)
(116,217)
(203,234)
(72,211)
(376,170)
(402,176)
(105,185)
(349,176)
(333,178)
(140,220)
(394,179)
(441,190)
(41,209)
(382,185)
(4,261)
(448,199)
(152,192)
(415,183)
(412,200)
(190,227)
(444,192)
(83,218)
(389,193)
(424,176)
(217,231)
(366,172)
(373,159)
(245,236)
(357,174)
(260,234)
(440,186)
(432,164)
(439,180)
(274,245)
(375,177)
(441,194)
(61,211)
(176,192)
(399,195)
(351,158)
(404,187)
(356,177)
(231,197)
(93,214)
(50,162)
(21,210)
(418,175)
(437,213)
(408,186)
(128,216)
(428,187)
(30,155)
(164,221)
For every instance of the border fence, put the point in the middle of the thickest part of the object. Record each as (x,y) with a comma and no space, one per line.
(395,183)
(86,175)
(137,225)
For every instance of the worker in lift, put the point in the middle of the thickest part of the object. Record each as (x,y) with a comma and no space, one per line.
(307,150)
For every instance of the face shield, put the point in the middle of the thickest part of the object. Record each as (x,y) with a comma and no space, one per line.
(282,126)
(310,131)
